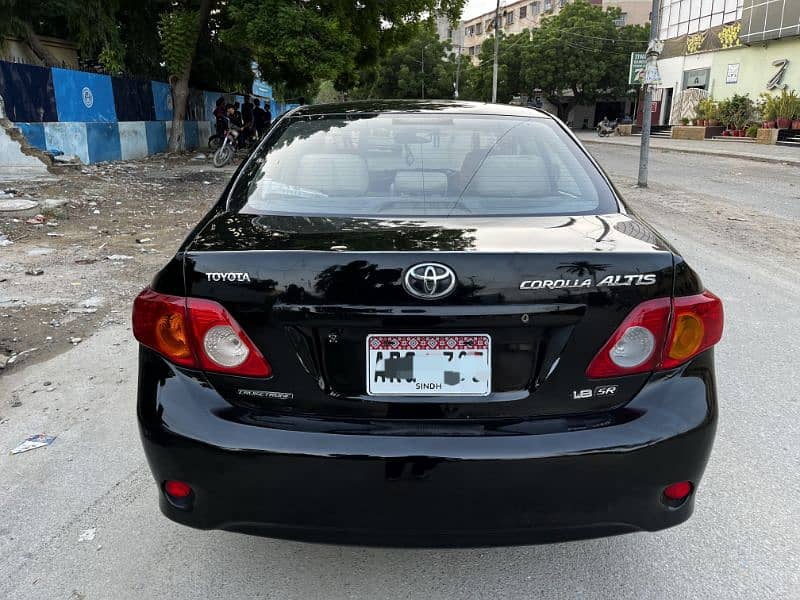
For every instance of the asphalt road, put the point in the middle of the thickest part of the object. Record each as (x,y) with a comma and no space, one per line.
(743,541)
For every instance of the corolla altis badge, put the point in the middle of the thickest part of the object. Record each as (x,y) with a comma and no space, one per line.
(239,277)
(608,281)
(429,281)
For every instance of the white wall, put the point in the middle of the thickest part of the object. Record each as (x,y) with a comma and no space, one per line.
(14,163)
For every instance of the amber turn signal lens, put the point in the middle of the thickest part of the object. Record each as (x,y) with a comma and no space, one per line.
(171,335)
(688,336)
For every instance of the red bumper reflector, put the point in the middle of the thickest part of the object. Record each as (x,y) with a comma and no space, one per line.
(177,489)
(678,491)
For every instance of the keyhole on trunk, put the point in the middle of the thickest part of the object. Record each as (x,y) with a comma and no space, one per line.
(525,318)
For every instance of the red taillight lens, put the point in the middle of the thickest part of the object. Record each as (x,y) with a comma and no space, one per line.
(660,334)
(177,489)
(678,491)
(196,333)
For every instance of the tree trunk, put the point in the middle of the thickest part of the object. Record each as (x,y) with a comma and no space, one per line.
(39,49)
(180,84)
(180,96)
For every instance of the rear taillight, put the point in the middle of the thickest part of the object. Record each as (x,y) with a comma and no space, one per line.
(196,333)
(660,334)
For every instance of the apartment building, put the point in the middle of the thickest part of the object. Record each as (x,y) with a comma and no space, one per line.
(634,12)
(516,17)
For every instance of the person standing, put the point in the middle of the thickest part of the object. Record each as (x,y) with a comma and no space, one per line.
(236,118)
(261,118)
(247,112)
(220,118)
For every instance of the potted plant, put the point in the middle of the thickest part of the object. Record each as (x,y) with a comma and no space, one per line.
(786,104)
(739,113)
(724,115)
(712,113)
(701,112)
(684,121)
(768,106)
(752,131)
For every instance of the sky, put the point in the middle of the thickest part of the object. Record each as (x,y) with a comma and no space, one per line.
(473,8)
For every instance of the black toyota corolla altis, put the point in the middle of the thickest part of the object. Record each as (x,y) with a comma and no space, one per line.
(426,323)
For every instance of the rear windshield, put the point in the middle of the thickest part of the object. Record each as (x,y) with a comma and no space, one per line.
(421,165)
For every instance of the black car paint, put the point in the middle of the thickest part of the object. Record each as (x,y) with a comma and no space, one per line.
(402,470)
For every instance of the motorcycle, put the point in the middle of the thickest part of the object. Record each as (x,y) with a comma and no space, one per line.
(227,150)
(603,130)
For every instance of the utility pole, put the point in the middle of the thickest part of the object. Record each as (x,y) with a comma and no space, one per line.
(647,109)
(458,71)
(423,71)
(497,50)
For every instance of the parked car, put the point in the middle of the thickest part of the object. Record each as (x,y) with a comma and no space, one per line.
(426,323)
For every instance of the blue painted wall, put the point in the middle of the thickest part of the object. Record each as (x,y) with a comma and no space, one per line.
(190,134)
(133,99)
(156,136)
(162,100)
(69,138)
(100,118)
(85,97)
(34,133)
(27,93)
(103,142)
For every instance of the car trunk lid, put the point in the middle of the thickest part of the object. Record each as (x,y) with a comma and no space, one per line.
(548,291)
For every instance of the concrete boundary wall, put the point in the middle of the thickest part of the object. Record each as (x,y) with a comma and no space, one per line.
(16,155)
(101,118)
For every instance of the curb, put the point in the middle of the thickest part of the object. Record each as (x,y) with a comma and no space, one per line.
(751,157)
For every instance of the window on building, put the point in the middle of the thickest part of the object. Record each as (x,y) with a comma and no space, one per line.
(562,3)
(471,50)
(478,28)
(548,4)
(621,21)
(489,25)
(536,8)
(523,12)
(509,17)
(680,17)
(449,34)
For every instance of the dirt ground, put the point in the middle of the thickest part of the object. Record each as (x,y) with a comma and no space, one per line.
(107,229)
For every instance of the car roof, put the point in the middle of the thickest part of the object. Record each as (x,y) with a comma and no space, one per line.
(418,106)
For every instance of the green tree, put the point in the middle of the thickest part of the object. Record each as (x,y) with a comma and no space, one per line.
(580,56)
(90,23)
(478,79)
(422,65)
(181,29)
(297,42)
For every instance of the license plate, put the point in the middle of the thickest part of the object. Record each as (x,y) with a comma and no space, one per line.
(429,365)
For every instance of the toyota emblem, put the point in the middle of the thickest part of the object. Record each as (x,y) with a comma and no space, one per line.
(429,281)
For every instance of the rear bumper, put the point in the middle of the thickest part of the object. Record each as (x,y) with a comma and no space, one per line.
(564,484)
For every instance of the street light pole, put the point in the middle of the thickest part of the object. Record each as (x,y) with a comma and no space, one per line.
(496,51)
(647,109)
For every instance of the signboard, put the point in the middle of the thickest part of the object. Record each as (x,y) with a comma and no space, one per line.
(696,78)
(651,74)
(732,75)
(260,87)
(637,67)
